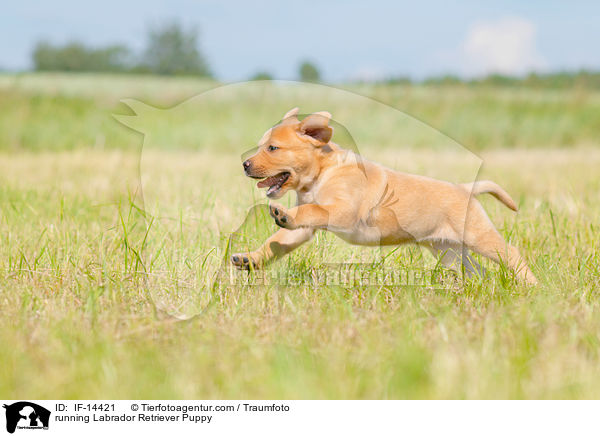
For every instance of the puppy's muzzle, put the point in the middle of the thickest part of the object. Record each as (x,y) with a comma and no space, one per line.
(250,170)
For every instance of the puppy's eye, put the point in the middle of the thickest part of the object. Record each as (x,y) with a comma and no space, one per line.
(272,148)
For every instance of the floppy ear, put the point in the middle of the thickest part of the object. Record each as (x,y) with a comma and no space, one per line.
(317,127)
(291,116)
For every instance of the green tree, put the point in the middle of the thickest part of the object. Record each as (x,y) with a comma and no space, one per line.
(262,75)
(309,72)
(171,49)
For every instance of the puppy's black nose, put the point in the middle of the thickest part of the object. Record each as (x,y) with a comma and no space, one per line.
(247,164)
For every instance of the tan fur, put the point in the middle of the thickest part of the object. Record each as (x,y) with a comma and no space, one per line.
(489,187)
(366,203)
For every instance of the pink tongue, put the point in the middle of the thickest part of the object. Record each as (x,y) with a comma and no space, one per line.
(269,181)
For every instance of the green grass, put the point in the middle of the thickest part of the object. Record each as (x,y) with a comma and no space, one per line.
(67,111)
(87,290)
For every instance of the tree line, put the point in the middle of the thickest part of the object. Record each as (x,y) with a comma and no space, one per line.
(560,79)
(172,49)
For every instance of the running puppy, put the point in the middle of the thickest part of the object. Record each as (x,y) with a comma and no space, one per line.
(365,203)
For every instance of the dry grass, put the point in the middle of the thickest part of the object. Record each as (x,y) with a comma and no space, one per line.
(80,277)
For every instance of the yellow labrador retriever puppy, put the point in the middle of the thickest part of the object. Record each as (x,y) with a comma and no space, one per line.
(368,204)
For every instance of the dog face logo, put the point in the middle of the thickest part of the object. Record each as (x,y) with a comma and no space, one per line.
(285,161)
(26,415)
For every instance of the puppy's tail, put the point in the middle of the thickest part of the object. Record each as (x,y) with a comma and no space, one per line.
(489,187)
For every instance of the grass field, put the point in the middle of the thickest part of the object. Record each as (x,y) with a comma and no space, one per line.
(89,282)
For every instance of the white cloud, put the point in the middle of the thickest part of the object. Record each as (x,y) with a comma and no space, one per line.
(506,46)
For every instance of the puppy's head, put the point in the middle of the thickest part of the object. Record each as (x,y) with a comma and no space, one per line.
(288,155)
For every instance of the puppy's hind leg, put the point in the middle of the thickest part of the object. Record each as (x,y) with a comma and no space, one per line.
(491,245)
(482,237)
(454,255)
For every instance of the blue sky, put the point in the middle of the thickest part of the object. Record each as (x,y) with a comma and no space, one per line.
(366,39)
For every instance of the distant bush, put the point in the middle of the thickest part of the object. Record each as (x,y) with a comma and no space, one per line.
(308,72)
(75,56)
(262,75)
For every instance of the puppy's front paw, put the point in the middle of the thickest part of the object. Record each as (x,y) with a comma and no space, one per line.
(282,217)
(244,261)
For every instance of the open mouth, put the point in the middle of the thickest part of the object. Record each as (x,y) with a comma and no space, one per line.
(274,183)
